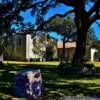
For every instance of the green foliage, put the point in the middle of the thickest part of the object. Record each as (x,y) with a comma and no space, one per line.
(91,36)
(55,84)
(62,26)
(10,13)
(3,44)
(97,46)
(51,49)
(39,42)
(49,53)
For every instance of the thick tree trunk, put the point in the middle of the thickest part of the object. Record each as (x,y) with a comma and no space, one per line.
(63,50)
(80,48)
(82,27)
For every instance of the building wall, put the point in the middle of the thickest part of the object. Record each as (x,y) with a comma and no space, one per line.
(16,50)
(88,53)
(21,48)
(29,48)
(69,52)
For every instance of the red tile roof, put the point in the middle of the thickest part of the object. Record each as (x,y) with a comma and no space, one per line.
(67,45)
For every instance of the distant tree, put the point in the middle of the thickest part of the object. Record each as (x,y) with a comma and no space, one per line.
(1,49)
(3,44)
(97,46)
(49,53)
(91,37)
(65,27)
(10,16)
(51,49)
(39,42)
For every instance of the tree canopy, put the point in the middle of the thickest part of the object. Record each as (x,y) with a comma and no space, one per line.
(10,15)
(10,10)
(64,26)
(91,37)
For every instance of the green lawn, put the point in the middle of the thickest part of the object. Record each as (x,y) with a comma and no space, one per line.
(55,83)
(97,64)
(34,63)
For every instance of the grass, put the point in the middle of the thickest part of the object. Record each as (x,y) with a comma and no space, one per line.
(55,83)
(35,63)
(97,64)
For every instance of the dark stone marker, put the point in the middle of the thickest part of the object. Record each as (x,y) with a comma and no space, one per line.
(28,83)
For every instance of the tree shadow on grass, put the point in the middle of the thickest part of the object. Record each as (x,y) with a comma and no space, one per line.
(55,83)
(8,72)
(73,89)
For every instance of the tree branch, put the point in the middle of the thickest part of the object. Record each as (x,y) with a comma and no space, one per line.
(92,19)
(68,2)
(98,24)
(32,5)
(94,8)
(21,8)
(47,21)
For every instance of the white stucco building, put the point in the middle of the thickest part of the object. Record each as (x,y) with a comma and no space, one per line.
(93,51)
(21,48)
(70,49)
(29,48)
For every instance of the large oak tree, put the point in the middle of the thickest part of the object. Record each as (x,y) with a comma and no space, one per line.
(83,19)
(10,14)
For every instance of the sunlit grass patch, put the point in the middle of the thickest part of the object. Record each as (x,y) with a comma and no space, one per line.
(36,63)
(55,83)
(96,64)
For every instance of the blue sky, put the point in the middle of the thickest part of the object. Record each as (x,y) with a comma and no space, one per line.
(60,9)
